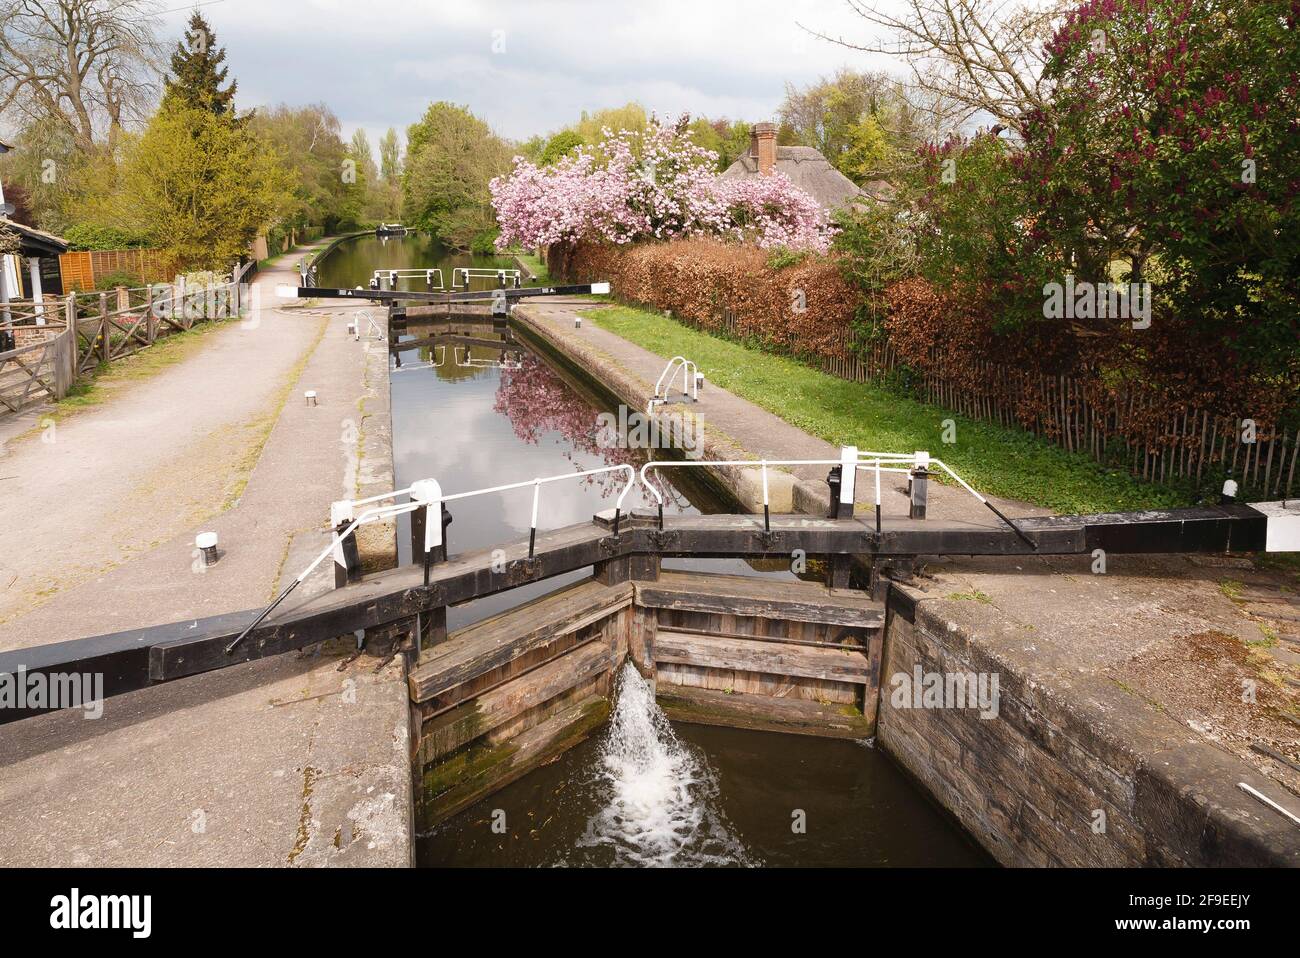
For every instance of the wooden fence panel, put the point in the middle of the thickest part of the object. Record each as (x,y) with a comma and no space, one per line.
(58,342)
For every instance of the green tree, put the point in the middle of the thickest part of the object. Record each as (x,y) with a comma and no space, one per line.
(196,77)
(868,154)
(559,146)
(861,122)
(390,156)
(309,142)
(630,116)
(1169,153)
(452,155)
(199,184)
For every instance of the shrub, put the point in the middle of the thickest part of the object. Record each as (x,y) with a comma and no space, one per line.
(87,236)
(119,278)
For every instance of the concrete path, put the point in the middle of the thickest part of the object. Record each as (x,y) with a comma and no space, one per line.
(97,535)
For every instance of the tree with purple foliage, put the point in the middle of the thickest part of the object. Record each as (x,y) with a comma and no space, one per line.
(1172,147)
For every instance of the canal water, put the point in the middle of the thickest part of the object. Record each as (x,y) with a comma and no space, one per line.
(478,409)
(353,261)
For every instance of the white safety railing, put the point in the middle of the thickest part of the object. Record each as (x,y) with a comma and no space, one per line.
(432,277)
(540,481)
(850,461)
(462,275)
(664,384)
(427,494)
(341,514)
(440,352)
(469,362)
(372,329)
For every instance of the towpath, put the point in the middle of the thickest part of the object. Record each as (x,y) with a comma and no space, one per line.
(294,760)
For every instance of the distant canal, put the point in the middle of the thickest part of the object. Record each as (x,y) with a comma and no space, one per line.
(641,791)
(354,261)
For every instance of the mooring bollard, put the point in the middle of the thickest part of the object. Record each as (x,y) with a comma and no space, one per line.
(206,543)
(918,486)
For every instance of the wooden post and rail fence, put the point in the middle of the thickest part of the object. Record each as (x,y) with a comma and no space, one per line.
(45,347)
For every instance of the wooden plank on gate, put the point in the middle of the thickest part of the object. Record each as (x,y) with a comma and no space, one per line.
(848,664)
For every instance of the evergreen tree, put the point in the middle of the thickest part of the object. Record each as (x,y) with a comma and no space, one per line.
(196,72)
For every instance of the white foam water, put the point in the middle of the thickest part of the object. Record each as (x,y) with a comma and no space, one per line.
(661,796)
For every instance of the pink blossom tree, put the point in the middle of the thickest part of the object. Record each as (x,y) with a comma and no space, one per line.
(655,185)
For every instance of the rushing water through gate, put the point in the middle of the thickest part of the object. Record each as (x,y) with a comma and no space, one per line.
(641,791)
(660,796)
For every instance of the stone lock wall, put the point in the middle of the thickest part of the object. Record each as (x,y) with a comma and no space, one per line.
(1033,783)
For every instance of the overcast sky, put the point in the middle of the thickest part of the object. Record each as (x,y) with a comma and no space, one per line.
(527,67)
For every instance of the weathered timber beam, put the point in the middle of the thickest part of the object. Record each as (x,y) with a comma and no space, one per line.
(392,596)
(137,658)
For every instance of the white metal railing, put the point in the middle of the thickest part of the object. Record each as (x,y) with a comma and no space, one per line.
(424,494)
(427,494)
(439,351)
(537,484)
(878,462)
(393,275)
(664,384)
(470,362)
(373,329)
(341,513)
(467,273)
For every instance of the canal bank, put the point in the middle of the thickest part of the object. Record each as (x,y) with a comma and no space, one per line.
(296,760)
(1111,749)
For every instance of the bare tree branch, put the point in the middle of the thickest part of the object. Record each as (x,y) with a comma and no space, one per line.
(984,55)
(91,65)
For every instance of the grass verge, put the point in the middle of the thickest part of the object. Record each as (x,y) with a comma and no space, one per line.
(535,265)
(1003,462)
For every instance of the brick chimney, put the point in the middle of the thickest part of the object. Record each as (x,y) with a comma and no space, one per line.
(762,146)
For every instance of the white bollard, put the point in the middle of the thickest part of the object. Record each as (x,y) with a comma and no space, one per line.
(206,543)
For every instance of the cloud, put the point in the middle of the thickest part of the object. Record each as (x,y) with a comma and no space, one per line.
(528,67)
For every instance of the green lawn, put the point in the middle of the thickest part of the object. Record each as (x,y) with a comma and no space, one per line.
(997,461)
(537,265)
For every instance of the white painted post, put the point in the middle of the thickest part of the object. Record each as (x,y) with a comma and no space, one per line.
(848,481)
(428,493)
(34,270)
(340,516)
(431,626)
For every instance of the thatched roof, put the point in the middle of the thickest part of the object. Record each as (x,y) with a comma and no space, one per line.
(812,173)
